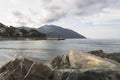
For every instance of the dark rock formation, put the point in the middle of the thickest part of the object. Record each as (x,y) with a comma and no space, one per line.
(54,31)
(97,53)
(77,74)
(24,69)
(112,56)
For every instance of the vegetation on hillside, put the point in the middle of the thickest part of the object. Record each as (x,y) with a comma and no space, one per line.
(13,32)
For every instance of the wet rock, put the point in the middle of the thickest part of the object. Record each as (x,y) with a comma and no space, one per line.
(60,62)
(24,69)
(98,53)
(77,74)
(112,56)
(79,59)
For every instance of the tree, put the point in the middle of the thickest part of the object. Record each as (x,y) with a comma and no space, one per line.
(35,34)
(24,32)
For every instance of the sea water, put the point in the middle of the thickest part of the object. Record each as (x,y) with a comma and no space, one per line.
(45,50)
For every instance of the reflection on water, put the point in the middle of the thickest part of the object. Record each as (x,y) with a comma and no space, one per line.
(47,49)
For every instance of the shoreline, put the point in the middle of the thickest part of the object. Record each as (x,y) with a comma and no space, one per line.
(92,65)
(7,39)
(26,39)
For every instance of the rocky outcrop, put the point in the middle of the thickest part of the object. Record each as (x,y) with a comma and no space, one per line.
(98,53)
(77,74)
(24,69)
(77,65)
(86,66)
(83,60)
(79,59)
(60,62)
(112,56)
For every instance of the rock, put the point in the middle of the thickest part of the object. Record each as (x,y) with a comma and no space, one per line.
(24,69)
(77,74)
(79,59)
(98,53)
(85,66)
(112,56)
(60,62)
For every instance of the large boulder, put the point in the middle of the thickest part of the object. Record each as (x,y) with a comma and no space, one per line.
(79,59)
(24,69)
(85,66)
(77,74)
(60,62)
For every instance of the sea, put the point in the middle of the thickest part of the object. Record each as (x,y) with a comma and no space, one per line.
(45,50)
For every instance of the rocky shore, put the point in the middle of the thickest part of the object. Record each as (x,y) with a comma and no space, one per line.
(77,65)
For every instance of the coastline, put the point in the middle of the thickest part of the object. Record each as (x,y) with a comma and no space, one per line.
(7,39)
(92,65)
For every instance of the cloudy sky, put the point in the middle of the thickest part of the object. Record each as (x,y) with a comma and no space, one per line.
(92,18)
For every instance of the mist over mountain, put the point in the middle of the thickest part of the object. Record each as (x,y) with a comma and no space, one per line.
(54,31)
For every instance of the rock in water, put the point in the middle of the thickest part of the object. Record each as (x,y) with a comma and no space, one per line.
(112,56)
(24,69)
(79,59)
(60,62)
(98,53)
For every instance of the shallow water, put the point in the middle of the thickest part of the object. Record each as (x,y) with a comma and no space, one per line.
(46,49)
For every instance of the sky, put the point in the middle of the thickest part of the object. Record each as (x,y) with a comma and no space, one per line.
(91,18)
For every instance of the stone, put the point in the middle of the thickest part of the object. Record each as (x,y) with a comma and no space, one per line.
(24,69)
(98,53)
(77,74)
(60,62)
(79,59)
(112,56)
(86,66)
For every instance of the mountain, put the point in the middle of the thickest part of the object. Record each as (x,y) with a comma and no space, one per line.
(54,31)
(24,27)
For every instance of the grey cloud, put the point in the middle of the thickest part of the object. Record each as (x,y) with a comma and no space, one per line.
(89,7)
(58,9)
(18,14)
(21,19)
(77,7)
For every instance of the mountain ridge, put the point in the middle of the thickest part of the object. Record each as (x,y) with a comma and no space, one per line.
(54,31)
